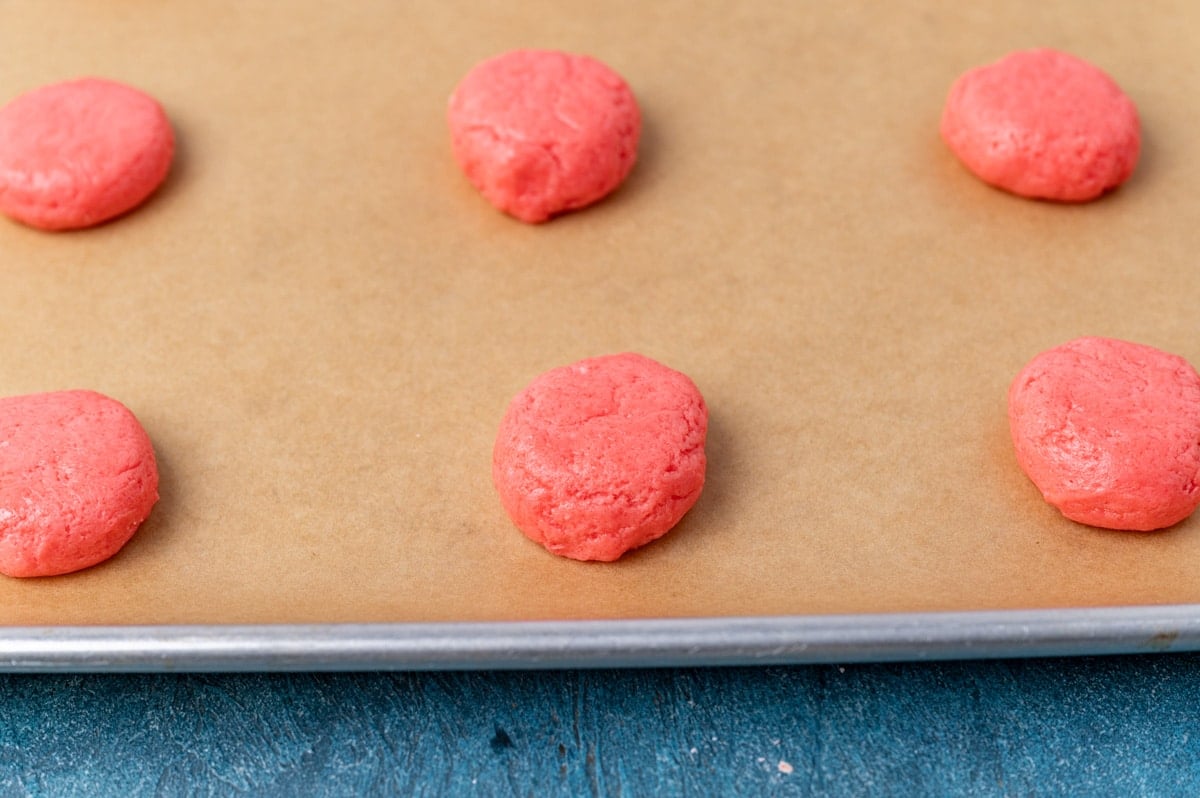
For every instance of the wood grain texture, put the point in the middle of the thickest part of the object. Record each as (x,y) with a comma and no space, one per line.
(1099,726)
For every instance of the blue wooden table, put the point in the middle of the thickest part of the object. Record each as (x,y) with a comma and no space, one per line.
(1079,726)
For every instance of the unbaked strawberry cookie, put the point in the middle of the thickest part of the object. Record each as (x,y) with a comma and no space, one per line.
(542,132)
(601,456)
(78,477)
(1043,124)
(1109,432)
(79,153)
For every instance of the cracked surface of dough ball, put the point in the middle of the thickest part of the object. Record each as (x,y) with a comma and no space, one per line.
(542,132)
(79,153)
(1109,432)
(601,456)
(1043,124)
(77,478)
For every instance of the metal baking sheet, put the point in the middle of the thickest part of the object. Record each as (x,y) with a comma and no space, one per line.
(319,323)
(602,644)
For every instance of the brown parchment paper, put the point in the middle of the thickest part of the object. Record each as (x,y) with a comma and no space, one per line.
(320,323)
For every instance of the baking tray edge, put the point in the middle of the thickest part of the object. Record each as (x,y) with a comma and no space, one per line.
(775,640)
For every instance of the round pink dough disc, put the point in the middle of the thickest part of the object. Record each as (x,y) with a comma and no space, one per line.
(540,132)
(77,478)
(1043,124)
(78,153)
(1109,431)
(602,456)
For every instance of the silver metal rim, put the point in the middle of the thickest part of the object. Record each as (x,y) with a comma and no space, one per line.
(602,643)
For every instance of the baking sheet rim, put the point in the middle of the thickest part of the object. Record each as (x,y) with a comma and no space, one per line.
(659,642)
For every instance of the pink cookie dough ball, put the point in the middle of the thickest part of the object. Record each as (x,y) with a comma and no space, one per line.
(79,153)
(1109,432)
(540,132)
(1043,124)
(77,478)
(602,456)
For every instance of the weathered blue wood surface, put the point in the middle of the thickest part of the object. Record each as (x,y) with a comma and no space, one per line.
(1102,726)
